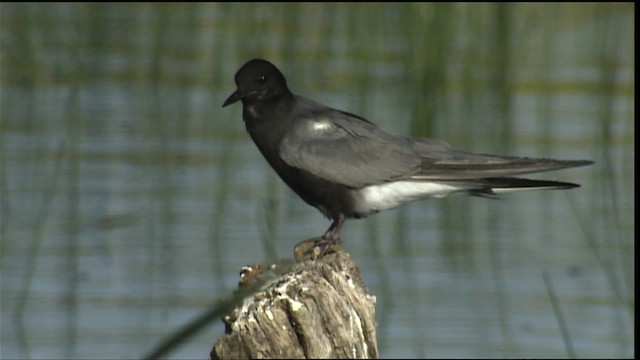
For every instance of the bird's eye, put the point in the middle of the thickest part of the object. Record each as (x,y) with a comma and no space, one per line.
(262,79)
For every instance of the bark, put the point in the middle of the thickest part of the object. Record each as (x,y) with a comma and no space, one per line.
(319,308)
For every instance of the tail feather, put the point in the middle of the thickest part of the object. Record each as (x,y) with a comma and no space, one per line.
(493,186)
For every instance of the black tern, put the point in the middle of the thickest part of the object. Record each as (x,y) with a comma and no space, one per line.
(347,167)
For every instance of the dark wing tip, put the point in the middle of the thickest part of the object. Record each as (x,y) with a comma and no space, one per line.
(574,163)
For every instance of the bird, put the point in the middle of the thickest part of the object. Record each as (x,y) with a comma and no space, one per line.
(347,167)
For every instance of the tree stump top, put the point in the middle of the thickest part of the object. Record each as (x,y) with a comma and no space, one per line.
(318,308)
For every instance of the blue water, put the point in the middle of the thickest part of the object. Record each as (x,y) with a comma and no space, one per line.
(131,199)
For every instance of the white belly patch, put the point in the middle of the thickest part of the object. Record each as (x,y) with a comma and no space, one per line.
(386,196)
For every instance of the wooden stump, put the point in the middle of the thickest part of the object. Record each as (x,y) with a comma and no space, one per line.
(317,309)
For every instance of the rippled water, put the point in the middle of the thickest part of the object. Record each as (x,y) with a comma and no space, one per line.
(130,199)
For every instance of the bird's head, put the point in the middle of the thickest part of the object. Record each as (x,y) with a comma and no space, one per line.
(258,80)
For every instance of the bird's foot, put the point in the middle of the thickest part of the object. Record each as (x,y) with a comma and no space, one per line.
(327,245)
(316,248)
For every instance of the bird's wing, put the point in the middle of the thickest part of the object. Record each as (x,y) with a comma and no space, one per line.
(343,148)
(449,164)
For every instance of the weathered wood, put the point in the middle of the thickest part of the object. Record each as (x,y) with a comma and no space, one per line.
(318,309)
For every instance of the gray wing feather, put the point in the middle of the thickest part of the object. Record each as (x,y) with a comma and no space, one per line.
(451,164)
(347,149)
(355,153)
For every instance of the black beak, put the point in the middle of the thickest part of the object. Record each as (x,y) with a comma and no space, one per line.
(232,98)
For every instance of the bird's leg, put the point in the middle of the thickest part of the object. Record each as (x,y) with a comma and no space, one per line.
(333,233)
